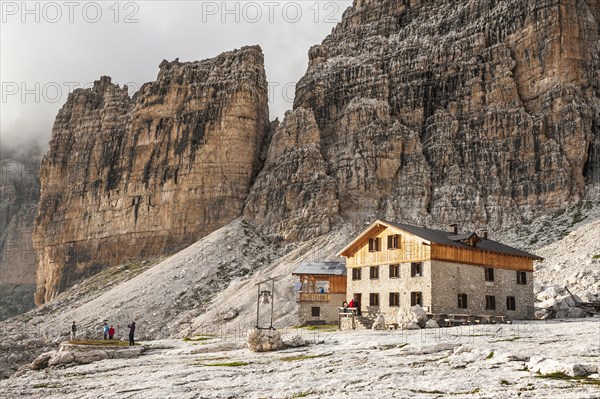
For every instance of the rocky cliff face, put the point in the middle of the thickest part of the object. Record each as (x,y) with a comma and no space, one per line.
(436,112)
(430,112)
(19,194)
(130,178)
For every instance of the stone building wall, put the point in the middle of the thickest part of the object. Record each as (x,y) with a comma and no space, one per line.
(440,283)
(329,310)
(450,279)
(404,285)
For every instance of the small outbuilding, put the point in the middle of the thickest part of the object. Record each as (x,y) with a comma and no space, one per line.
(322,290)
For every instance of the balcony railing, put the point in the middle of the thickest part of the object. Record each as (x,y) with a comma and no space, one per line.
(313,297)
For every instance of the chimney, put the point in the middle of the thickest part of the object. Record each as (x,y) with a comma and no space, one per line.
(485,234)
(454,228)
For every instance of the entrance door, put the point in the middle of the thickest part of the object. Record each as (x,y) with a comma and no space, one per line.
(358,298)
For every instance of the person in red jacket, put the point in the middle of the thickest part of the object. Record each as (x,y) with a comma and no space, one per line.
(111,332)
(352,303)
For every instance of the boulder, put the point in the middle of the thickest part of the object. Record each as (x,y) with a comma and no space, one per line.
(570,313)
(379,323)
(84,354)
(418,315)
(410,317)
(431,324)
(62,357)
(296,342)
(564,301)
(548,303)
(41,362)
(548,366)
(543,314)
(264,340)
(549,292)
(412,326)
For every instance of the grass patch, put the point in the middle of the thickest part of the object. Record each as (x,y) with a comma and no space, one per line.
(504,382)
(435,392)
(491,355)
(198,338)
(324,327)
(560,376)
(99,342)
(302,357)
(597,256)
(226,364)
(511,339)
(385,347)
(302,395)
(208,360)
(45,385)
(577,218)
(558,213)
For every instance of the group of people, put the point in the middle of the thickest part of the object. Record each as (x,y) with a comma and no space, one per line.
(108,332)
(354,304)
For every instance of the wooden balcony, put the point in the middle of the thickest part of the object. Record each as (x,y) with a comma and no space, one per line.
(313,297)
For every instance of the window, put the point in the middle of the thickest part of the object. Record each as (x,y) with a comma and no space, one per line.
(394,271)
(511,303)
(394,299)
(462,301)
(416,269)
(374,272)
(521,278)
(374,244)
(356,274)
(315,311)
(374,299)
(490,302)
(394,242)
(416,298)
(489,274)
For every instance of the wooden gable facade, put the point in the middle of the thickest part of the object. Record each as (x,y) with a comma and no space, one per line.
(405,247)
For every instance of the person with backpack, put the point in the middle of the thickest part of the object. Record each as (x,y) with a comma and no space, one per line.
(131,333)
(73,330)
(111,332)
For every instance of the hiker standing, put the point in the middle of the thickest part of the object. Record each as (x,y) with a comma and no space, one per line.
(105,330)
(111,332)
(73,330)
(131,333)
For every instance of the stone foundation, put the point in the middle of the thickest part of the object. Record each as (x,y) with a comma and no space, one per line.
(264,340)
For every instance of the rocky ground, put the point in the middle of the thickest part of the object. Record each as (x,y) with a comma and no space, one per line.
(212,283)
(549,359)
(573,261)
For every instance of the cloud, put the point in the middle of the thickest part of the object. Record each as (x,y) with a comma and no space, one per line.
(49,48)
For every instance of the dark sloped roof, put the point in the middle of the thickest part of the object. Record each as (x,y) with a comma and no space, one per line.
(322,268)
(447,238)
(463,236)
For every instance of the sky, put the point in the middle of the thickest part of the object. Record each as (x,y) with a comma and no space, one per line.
(49,48)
